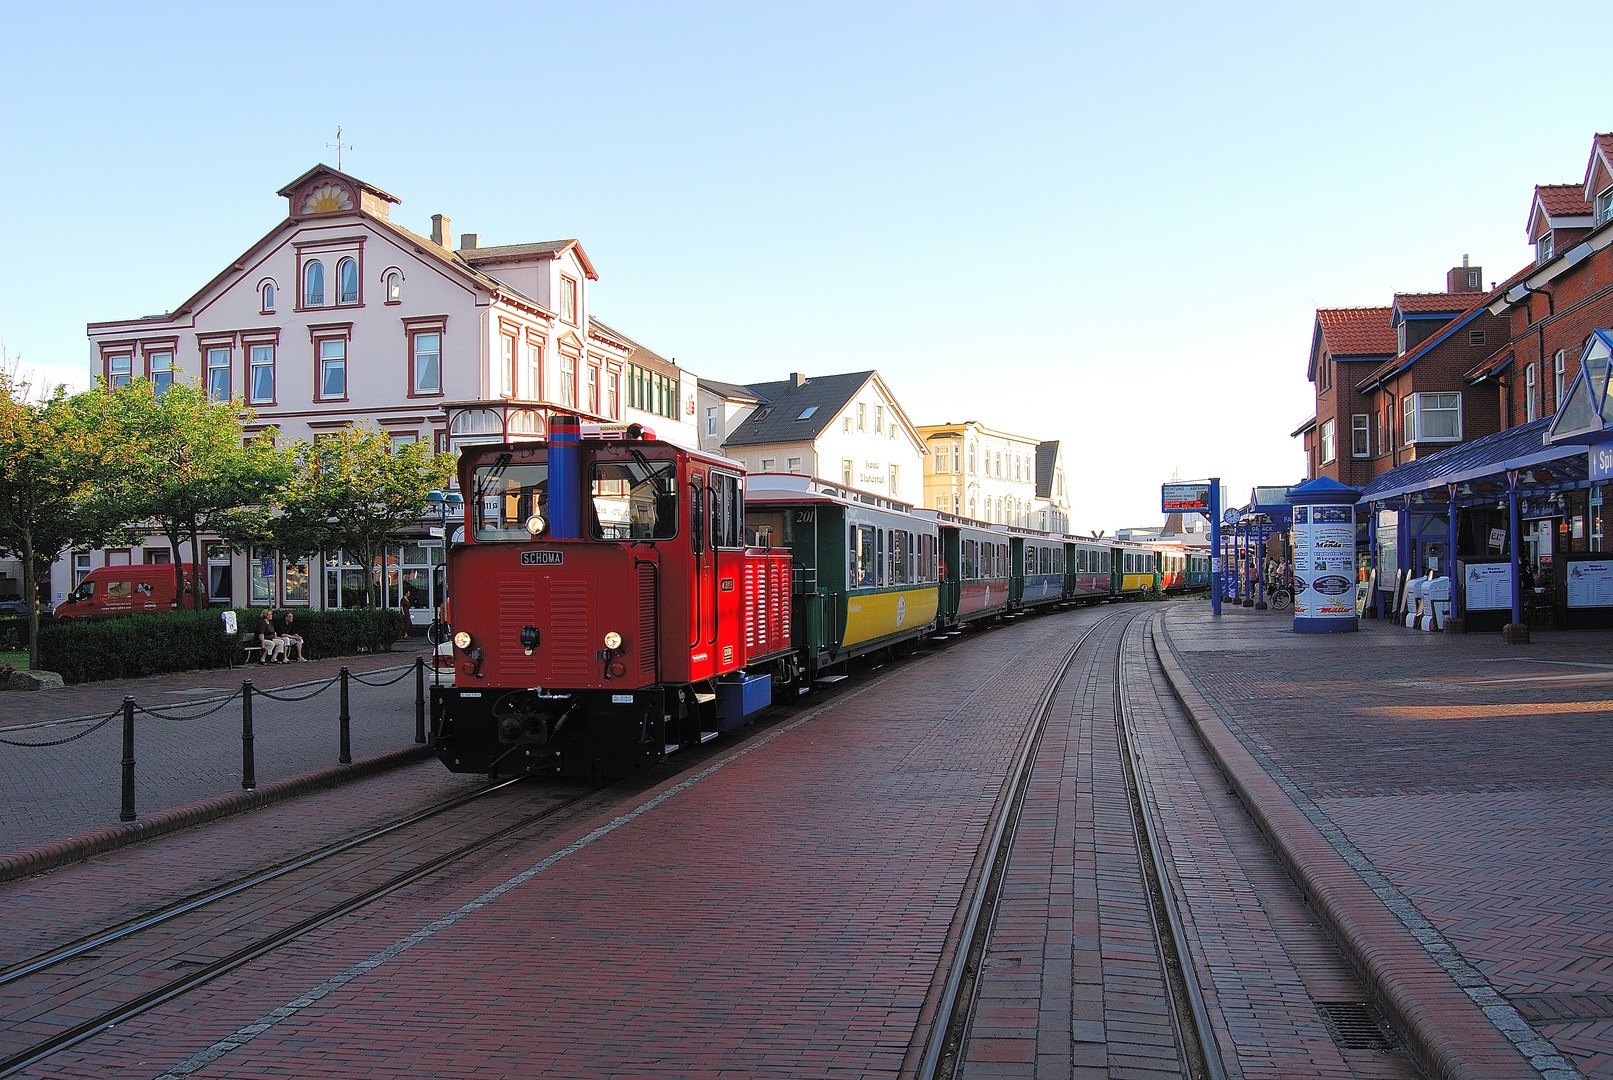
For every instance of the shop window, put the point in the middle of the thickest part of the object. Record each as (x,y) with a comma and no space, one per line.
(220,580)
(260,576)
(294,582)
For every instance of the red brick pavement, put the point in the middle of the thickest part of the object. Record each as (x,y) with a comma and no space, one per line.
(779,914)
(1482,836)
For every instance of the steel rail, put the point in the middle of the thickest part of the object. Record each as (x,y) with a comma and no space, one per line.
(112,1017)
(952,1008)
(1174,955)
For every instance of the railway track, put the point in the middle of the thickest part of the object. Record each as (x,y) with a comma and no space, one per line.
(946,1054)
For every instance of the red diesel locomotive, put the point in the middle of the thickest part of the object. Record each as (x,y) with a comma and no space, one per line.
(604,606)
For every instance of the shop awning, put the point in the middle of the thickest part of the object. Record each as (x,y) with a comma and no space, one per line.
(1480,468)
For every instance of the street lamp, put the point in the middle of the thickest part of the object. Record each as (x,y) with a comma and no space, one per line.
(445,504)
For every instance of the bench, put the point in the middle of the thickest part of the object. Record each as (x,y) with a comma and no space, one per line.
(251,651)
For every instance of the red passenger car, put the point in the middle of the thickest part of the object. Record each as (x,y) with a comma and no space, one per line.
(604,606)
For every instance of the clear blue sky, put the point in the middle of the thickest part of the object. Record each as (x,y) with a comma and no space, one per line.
(1109,225)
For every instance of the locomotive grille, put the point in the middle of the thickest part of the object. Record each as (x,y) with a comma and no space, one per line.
(568,617)
(647,650)
(517,606)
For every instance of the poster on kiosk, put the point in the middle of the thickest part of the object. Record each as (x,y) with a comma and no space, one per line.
(1324,556)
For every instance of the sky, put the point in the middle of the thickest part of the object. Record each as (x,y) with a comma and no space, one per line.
(1109,225)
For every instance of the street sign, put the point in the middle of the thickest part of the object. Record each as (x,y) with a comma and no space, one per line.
(1185,498)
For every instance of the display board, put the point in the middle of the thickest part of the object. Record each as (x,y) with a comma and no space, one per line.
(1324,562)
(1184,498)
(1590,583)
(1487,586)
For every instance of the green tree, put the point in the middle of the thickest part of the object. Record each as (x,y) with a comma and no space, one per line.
(353,490)
(189,469)
(54,460)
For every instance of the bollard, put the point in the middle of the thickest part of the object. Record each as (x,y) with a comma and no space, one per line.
(346,756)
(127,813)
(419,699)
(249,770)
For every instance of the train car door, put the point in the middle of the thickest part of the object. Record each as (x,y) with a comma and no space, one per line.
(703,551)
(727,543)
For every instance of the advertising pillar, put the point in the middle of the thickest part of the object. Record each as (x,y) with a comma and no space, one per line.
(1324,556)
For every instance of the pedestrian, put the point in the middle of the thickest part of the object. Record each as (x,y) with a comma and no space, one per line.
(274,649)
(293,640)
(404,605)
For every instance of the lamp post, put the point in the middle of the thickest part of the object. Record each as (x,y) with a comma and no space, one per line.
(445,503)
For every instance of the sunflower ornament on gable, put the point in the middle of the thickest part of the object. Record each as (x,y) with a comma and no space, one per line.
(326,199)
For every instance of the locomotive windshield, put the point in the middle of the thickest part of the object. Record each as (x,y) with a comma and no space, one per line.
(635,500)
(506,496)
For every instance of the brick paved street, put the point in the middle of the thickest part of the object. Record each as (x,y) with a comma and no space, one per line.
(59,791)
(1475,777)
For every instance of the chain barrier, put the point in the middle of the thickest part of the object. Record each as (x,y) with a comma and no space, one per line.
(97,726)
(404,674)
(261,692)
(182,719)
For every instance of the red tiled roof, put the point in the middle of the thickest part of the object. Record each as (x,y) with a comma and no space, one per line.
(1363,331)
(1559,200)
(1425,303)
(1601,147)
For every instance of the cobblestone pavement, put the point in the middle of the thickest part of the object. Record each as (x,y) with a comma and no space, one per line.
(1472,776)
(780,912)
(57,791)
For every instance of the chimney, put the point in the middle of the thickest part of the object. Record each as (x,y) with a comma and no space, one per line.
(440,234)
(1465,278)
(470,241)
(797,379)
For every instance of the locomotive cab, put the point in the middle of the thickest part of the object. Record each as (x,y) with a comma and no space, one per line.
(601,598)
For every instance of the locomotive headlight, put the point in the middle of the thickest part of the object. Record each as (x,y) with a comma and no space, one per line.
(535,524)
(613,640)
(462,640)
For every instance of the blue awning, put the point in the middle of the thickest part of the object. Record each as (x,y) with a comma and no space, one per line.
(1480,468)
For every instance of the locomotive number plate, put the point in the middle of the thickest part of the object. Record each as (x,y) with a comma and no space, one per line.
(543,558)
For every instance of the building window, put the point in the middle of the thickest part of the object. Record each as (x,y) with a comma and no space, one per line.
(218,373)
(711,421)
(347,281)
(1475,337)
(1408,419)
(846,423)
(568,299)
(1543,247)
(1327,441)
(426,356)
(593,388)
(506,366)
(792,464)
(1360,436)
(394,287)
(261,374)
(1559,379)
(611,379)
(119,370)
(1604,211)
(313,285)
(845,471)
(1472,279)
(879,419)
(534,371)
(81,567)
(862,417)
(260,575)
(267,305)
(768,464)
(895,481)
(956,450)
(1431,418)
(971,458)
(940,459)
(1378,423)
(1530,405)
(220,580)
(333,368)
(568,381)
(161,368)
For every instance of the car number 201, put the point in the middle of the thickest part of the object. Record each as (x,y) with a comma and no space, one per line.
(543,558)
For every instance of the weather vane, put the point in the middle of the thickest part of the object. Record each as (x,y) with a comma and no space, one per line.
(338,146)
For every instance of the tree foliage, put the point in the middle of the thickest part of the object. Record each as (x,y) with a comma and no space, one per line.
(351,490)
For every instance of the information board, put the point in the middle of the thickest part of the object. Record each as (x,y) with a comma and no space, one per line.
(1590,583)
(1184,498)
(1488,587)
(1324,562)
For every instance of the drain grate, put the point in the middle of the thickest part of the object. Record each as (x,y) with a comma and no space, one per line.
(1355,1025)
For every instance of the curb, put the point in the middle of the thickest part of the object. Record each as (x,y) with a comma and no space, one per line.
(1448,1033)
(53,854)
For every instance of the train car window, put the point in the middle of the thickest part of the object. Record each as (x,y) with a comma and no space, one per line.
(634,500)
(727,511)
(967,570)
(506,496)
(1002,560)
(765,528)
(697,512)
(863,567)
(879,556)
(898,557)
(1030,560)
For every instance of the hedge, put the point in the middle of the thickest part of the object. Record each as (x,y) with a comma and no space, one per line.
(155,643)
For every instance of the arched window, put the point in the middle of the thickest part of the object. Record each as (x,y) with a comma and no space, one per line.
(394,287)
(347,281)
(313,285)
(268,296)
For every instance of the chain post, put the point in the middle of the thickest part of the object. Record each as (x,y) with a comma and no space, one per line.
(249,770)
(346,756)
(419,699)
(127,812)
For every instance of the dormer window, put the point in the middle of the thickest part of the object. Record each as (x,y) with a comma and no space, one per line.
(1604,207)
(347,281)
(313,284)
(1543,247)
(568,299)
